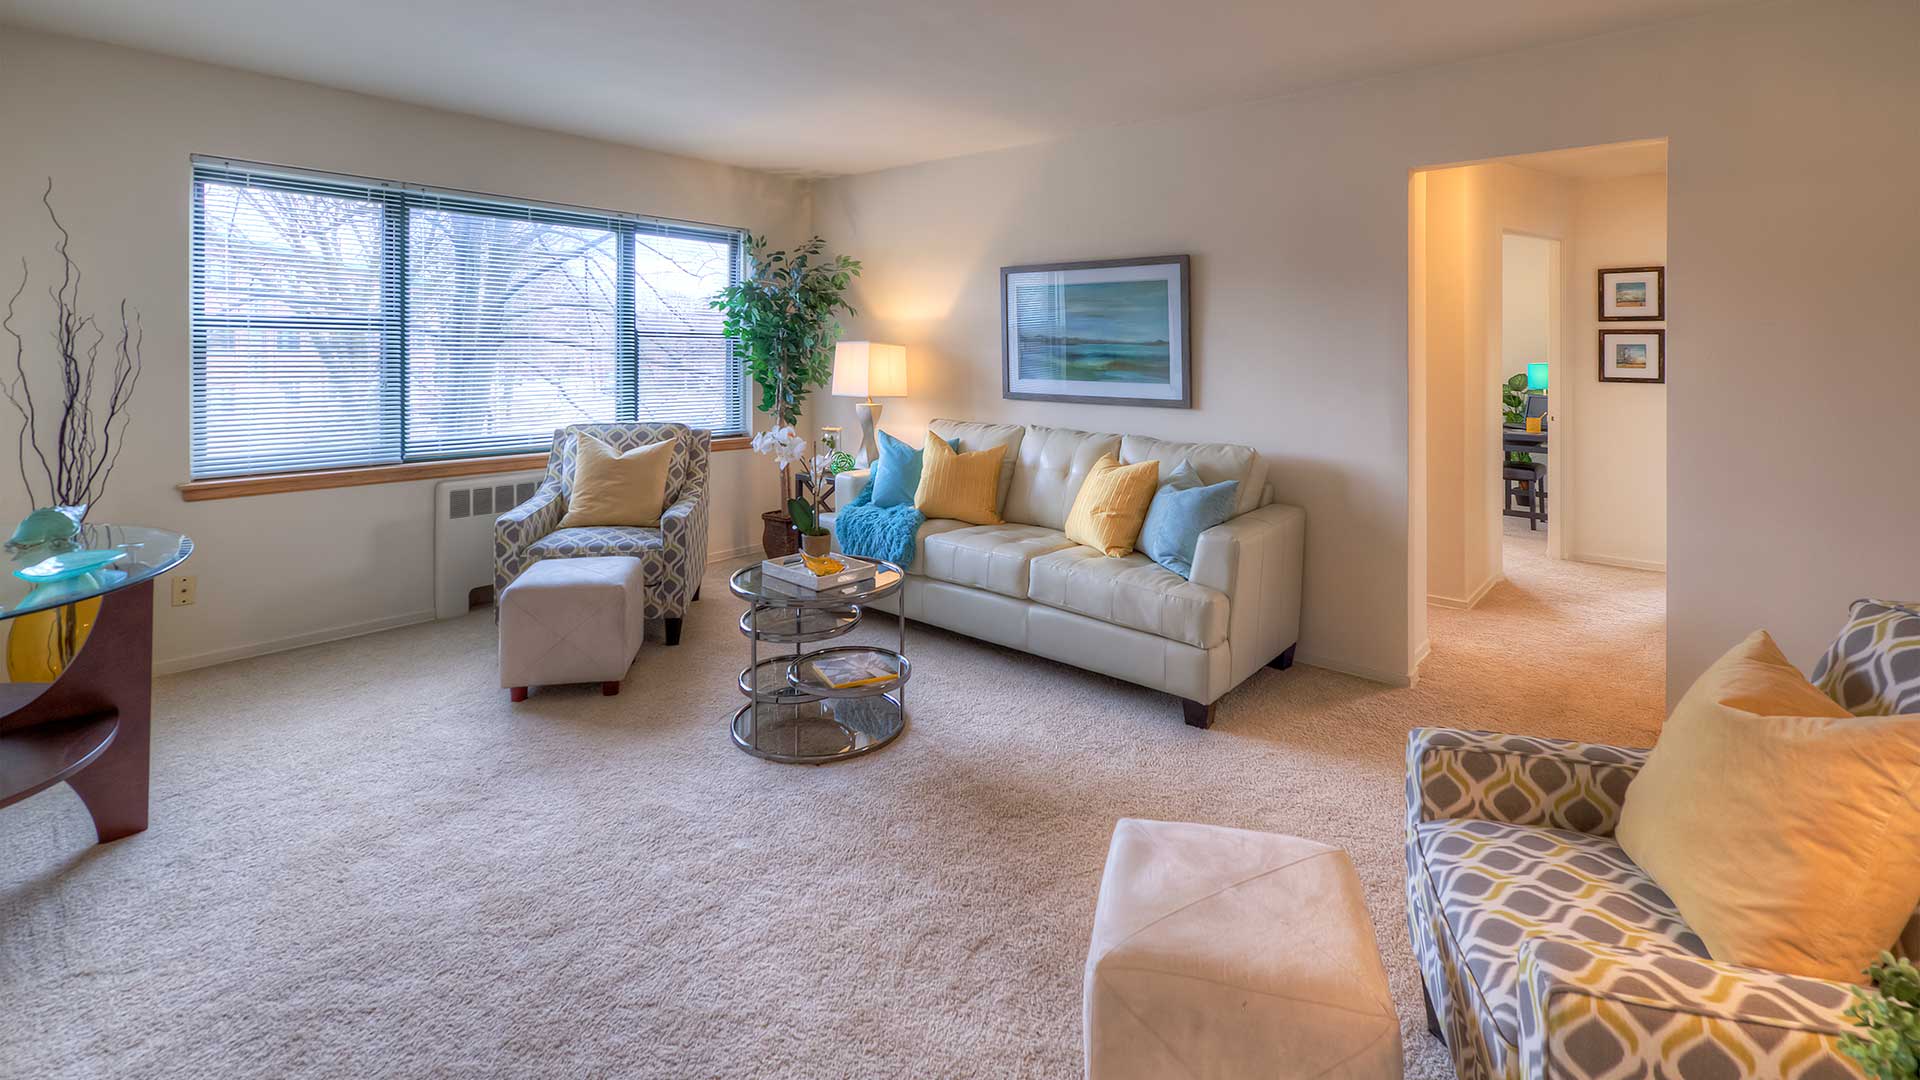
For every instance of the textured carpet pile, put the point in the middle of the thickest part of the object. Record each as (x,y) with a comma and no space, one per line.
(364,861)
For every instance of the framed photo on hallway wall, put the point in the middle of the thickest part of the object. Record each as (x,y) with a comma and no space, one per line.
(1633,356)
(1633,294)
(1111,332)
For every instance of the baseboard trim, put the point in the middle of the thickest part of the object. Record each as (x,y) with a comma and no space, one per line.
(1419,657)
(715,558)
(1398,680)
(1626,564)
(178,664)
(1470,602)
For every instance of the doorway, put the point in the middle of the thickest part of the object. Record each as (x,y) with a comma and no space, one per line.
(1527,456)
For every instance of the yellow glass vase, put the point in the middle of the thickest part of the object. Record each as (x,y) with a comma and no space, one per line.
(40,644)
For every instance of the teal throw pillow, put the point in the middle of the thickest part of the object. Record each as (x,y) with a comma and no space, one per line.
(896,471)
(1181,510)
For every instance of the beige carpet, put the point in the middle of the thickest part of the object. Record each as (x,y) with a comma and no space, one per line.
(364,861)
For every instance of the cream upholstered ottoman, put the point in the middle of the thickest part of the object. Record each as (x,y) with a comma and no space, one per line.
(572,621)
(1226,953)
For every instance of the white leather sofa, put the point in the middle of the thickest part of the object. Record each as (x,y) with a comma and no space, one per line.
(1024,585)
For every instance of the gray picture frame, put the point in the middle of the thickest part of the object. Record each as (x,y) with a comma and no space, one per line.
(1182,266)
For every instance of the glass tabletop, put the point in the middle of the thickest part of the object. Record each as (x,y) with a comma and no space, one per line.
(751,584)
(148,553)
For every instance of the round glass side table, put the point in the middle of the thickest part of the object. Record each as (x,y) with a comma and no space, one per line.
(794,712)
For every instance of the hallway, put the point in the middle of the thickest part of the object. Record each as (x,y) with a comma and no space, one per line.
(1557,632)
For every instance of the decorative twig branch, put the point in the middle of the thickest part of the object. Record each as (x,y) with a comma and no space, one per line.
(89,436)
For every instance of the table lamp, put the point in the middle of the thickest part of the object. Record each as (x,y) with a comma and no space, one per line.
(869,369)
(1537,377)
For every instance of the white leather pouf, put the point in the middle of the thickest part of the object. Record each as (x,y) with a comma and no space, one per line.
(1225,953)
(572,621)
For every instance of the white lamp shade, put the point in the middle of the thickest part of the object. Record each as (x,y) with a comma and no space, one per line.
(869,369)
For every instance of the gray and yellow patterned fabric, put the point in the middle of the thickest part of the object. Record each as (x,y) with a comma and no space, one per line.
(1510,864)
(672,556)
(1873,668)
(1595,1012)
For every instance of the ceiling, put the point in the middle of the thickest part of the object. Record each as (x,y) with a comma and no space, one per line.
(827,87)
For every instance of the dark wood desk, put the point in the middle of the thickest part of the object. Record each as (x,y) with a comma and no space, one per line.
(1518,440)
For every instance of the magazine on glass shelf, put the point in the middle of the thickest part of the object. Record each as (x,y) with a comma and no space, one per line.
(843,671)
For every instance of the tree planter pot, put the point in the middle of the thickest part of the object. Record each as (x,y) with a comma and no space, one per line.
(779,538)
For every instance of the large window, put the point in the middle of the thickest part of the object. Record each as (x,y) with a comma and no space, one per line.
(341,322)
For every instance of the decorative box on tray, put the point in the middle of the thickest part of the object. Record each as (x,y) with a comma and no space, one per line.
(792,570)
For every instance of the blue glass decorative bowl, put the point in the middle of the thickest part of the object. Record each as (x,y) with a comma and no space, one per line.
(69,564)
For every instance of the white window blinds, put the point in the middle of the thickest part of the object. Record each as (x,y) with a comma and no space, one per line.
(342,322)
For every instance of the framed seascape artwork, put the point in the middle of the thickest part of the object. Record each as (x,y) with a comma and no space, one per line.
(1633,294)
(1113,332)
(1633,356)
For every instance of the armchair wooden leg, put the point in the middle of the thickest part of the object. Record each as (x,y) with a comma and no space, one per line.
(673,631)
(1285,659)
(1198,715)
(696,594)
(1433,1018)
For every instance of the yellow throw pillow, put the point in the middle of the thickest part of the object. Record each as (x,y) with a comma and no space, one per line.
(965,487)
(617,489)
(1112,505)
(1782,826)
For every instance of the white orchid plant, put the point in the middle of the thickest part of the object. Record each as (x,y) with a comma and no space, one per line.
(788,450)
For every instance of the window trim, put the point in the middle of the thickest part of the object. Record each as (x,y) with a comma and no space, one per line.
(235,487)
(628,228)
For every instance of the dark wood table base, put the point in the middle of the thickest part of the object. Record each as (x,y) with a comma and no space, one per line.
(91,727)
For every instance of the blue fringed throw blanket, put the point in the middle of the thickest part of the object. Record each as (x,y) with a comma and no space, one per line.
(878,532)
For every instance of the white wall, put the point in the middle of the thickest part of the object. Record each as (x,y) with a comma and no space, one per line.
(115,129)
(1469,214)
(1618,431)
(1791,147)
(1526,323)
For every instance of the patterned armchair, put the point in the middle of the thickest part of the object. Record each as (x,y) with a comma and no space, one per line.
(1545,952)
(672,556)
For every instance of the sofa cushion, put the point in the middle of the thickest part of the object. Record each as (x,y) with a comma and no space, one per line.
(1215,462)
(994,557)
(1498,885)
(1131,591)
(974,437)
(929,529)
(1054,463)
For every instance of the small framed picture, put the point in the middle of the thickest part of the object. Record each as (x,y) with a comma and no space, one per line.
(1111,332)
(1633,294)
(1633,356)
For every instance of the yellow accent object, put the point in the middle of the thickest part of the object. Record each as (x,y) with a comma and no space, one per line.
(1112,505)
(1533,425)
(964,487)
(869,681)
(40,644)
(1781,825)
(822,565)
(618,489)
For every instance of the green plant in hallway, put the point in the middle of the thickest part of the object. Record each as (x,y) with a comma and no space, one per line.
(1513,405)
(1890,1016)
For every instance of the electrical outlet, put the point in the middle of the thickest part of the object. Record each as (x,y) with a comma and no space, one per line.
(185,588)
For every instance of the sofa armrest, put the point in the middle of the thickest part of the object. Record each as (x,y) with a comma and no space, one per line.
(517,529)
(847,486)
(1595,1011)
(1258,560)
(1517,779)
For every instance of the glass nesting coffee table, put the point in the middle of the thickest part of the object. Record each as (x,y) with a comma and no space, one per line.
(793,714)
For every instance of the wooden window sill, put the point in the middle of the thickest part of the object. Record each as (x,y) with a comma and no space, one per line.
(234,487)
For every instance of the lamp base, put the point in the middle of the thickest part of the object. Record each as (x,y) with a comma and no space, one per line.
(869,414)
